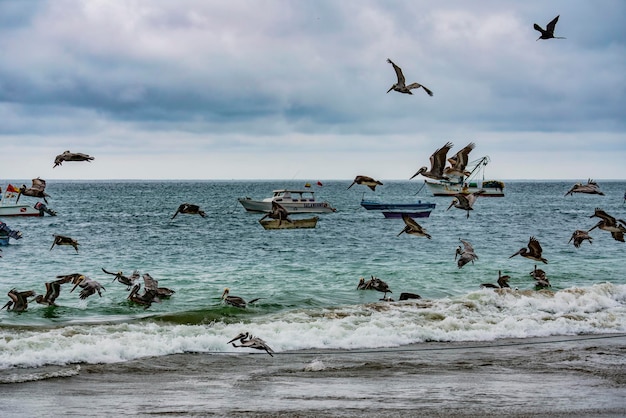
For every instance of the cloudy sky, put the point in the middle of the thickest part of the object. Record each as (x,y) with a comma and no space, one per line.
(272,89)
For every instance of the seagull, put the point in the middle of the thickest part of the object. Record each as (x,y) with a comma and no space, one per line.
(533,252)
(437,164)
(128,281)
(366,181)
(549,32)
(235,301)
(189,209)
(465,254)
(53,290)
(503,281)
(465,201)
(88,285)
(278,212)
(19,301)
(541,281)
(63,240)
(247,340)
(590,188)
(459,161)
(413,228)
(153,285)
(36,190)
(400,86)
(579,236)
(71,156)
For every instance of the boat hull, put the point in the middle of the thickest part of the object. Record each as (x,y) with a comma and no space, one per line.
(263,206)
(412,214)
(19,210)
(418,206)
(491,189)
(294,224)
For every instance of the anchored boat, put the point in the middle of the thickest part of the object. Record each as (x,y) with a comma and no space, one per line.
(295,201)
(294,224)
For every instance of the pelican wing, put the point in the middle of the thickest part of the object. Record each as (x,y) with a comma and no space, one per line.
(599,213)
(39,184)
(149,283)
(438,159)
(410,222)
(467,246)
(552,25)
(399,74)
(461,158)
(534,247)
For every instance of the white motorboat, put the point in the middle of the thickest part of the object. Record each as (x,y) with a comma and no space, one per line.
(469,184)
(295,201)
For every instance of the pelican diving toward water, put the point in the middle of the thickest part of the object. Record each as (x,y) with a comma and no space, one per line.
(465,254)
(235,301)
(401,86)
(590,188)
(53,290)
(503,281)
(71,156)
(19,300)
(579,236)
(465,201)
(128,281)
(366,181)
(249,341)
(63,240)
(548,33)
(88,285)
(533,251)
(38,189)
(190,209)
(437,164)
(413,228)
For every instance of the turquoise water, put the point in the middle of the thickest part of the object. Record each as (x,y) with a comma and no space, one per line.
(306,279)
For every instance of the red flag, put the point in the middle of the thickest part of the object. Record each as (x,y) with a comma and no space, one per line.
(11,189)
(319,183)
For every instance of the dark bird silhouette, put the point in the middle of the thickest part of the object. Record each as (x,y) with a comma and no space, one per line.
(88,285)
(19,300)
(128,281)
(38,189)
(549,32)
(459,162)
(541,280)
(465,254)
(190,209)
(71,156)
(152,284)
(533,251)
(503,281)
(366,181)
(63,240)
(437,164)
(590,188)
(249,341)
(579,236)
(401,86)
(610,224)
(53,290)
(413,228)
(465,201)
(146,299)
(235,301)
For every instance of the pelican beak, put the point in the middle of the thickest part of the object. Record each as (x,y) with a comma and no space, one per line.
(351,185)
(451,204)
(238,337)
(390,88)
(515,254)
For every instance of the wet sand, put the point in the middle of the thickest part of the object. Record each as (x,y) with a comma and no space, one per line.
(550,377)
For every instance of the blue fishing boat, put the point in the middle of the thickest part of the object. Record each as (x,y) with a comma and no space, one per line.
(416,206)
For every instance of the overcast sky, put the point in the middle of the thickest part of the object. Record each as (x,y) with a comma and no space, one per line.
(196,89)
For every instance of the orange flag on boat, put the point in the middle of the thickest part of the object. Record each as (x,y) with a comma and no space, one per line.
(11,189)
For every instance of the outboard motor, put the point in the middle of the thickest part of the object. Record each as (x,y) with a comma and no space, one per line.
(43,208)
(10,232)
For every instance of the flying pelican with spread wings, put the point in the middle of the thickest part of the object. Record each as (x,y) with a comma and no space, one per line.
(437,164)
(533,251)
(71,156)
(366,181)
(617,227)
(401,86)
(459,161)
(465,201)
(250,341)
(465,254)
(190,209)
(590,188)
(413,228)
(38,189)
(548,33)
(64,240)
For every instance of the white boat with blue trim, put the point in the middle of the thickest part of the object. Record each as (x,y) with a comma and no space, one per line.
(295,201)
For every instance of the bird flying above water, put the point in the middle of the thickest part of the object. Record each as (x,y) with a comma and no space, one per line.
(413,228)
(548,33)
(533,251)
(437,164)
(400,86)
(366,181)
(71,156)
(250,341)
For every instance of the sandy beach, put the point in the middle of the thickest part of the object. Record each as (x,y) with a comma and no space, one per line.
(552,377)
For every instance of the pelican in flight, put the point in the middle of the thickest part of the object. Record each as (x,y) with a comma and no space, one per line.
(465,254)
(36,190)
(590,188)
(88,285)
(541,280)
(278,212)
(19,300)
(401,86)
(53,290)
(437,164)
(608,223)
(366,181)
(579,236)
(146,299)
(548,33)
(465,201)
(128,281)
(235,301)
(459,161)
(413,228)
(503,281)
(63,240)
(533,252)
(190,209)
(153,285)
(250,341)
(71,156)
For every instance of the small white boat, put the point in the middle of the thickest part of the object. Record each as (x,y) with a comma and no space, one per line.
(294,224)
(469,184)
(9,207)
(295,201)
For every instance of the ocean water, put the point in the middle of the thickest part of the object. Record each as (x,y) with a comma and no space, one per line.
(306,279)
